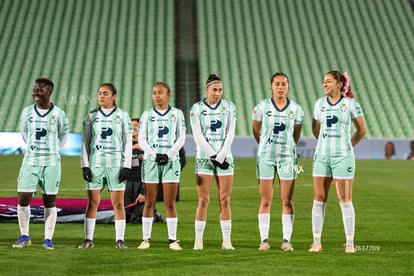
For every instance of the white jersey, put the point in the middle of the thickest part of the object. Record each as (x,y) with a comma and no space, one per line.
(162,132)
(215,124)
(336,121)
(107,139)
(44,134)
(276,133)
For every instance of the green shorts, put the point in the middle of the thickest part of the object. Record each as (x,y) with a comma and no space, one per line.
(339,167)
(285,167)
(205,166)
(102,177)
(152,173)
(48,178)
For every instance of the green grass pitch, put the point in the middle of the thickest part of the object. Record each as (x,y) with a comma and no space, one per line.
(384,204)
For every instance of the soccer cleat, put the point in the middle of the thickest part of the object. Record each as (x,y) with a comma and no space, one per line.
(175,246)
(87,244)
(47,244)
(226,245)
(315,248)
(144,245)
(264,246)
(120,244)
(198,245)
(22,241)
(349,248)
(286,246)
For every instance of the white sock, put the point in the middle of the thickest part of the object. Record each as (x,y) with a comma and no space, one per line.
(89,227)
(146,228)
(318,215)
(172,228)
(287,226)
(348,218)
(264,226)
(199,227)
(23,215)
(119,229)
(50,222)
(226,229)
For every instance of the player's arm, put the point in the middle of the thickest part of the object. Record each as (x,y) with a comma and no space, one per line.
(256,126)
(316,126)
(296,132)
(199,138)
(63,129)
(221,155)
(86,140)
(257,117)
(23,126)
(127,140)
(181,136)
(143,137)
(361,129)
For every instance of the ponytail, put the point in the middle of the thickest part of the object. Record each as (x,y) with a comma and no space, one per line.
(346,89)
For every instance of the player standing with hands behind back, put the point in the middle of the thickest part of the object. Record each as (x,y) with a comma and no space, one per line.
(334,156)
(213,121)
(45,130)
(277,123)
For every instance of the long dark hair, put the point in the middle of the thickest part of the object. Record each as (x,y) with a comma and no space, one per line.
(346,89)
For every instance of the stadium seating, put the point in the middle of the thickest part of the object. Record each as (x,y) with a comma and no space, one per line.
(245,42)
(80,44)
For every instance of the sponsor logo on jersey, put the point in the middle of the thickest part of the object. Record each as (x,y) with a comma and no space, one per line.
(106,132)
(330,120)
(162,130)
(215,125)
(278,127)
(40,132)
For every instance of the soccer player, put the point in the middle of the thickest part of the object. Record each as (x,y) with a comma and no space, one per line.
(277,123)
(334,157)
(213,122)
(45,129)
(162,133)
(106,160)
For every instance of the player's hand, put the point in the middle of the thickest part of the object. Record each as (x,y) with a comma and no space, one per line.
(224,166)
(161,159)
(124,174)
(87,174)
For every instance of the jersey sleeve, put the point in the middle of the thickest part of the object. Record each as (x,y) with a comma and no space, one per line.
(63,129)
(127,140)
(230,130)
(316,110)
(181,135)
(143,136)
(299,116)
(257,113)
(86,141)
(199,139)
(23,126)
(355,109)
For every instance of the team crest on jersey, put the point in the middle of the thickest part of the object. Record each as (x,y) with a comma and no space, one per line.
(291,115)
(53,119)
(224,111)
(117,119)
(344,107)
(173,118)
